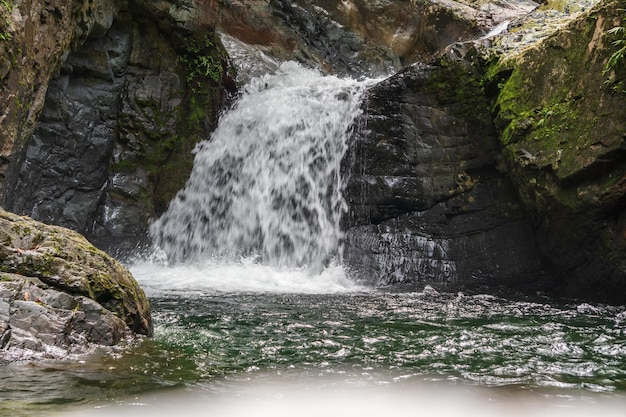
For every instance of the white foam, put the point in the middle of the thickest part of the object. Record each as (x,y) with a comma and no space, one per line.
(243,276)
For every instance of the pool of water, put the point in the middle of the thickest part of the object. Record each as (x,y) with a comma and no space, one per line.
(335,345)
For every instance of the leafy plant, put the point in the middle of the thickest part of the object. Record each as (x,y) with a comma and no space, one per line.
(618,56)
(614,63)
(6,7)
(200,62)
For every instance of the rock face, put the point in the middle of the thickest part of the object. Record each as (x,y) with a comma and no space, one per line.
(426,202)
(359,37)
(534,200)
(106,100)
(512,177)
(35,38)
(60,295)
(121,116)
(562,123)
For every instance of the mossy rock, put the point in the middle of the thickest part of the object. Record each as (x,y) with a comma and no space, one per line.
(562,125)
(66,261)
(556,111)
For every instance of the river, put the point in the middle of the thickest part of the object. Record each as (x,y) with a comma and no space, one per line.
(255,314)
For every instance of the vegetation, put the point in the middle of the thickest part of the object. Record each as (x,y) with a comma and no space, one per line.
(617,58)
(164,151)
(6,7)
(200,62)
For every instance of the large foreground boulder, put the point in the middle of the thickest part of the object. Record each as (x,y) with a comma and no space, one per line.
(59,294)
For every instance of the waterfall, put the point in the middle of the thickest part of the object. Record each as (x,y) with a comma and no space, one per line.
(502,27)
(266,185)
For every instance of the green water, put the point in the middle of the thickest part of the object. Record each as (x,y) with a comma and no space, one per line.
(213,342)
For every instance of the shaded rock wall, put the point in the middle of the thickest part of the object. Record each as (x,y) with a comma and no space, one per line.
(37,37)
(426,202)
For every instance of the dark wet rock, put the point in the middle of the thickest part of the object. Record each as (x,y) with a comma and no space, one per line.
(435,199)
(113,142)
(60,295)
(426,202)
(41,34)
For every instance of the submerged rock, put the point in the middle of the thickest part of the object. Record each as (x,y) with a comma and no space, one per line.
(60,295)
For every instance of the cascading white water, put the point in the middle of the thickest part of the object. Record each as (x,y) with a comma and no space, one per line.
(267,184)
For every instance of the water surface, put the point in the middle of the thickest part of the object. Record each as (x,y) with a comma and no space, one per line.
(241,348)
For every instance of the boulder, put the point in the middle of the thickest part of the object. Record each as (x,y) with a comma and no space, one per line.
(60,295)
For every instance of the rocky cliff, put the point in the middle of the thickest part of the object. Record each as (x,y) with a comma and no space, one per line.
(561,117)
(507,175)
(105,100)
(465,172)
(121,93)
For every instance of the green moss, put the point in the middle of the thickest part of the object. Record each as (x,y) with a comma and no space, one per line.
(123,166)
(460,89)
(176,159)
(554,106)
(6,278)
(6,8)
(458,86)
